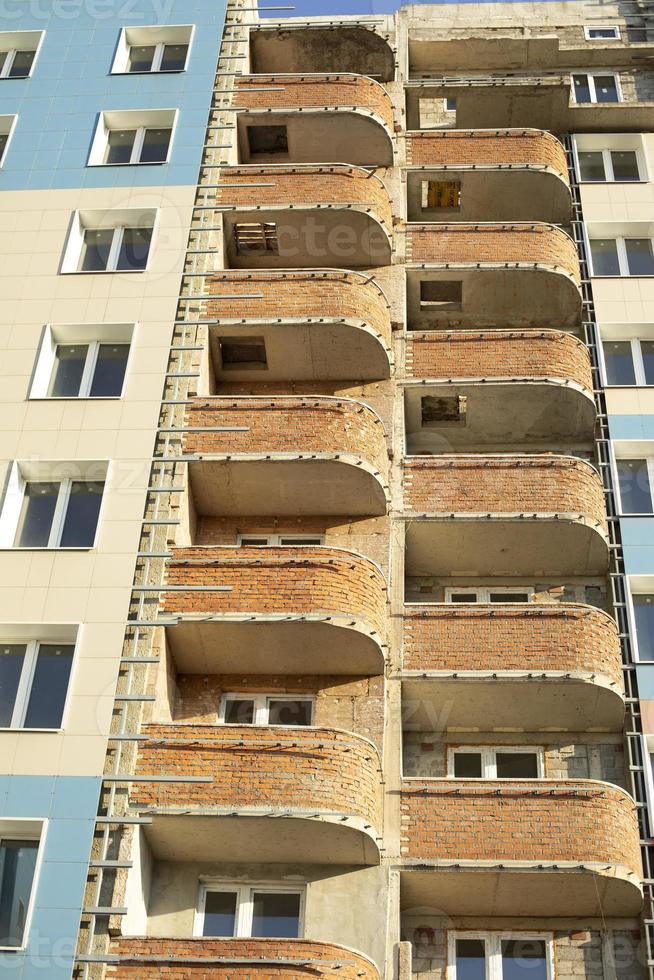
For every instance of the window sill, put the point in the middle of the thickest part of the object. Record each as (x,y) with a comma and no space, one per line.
(90,547)
(103,272)
(160,71)
(647,513)
(13,949)
(145,163)
(33,731)
(74,398)
(627,276)
(611,183)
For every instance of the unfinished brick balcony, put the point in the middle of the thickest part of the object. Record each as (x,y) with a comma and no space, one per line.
(303,217)
(504,515)
(487,175)
(308,326)
(322,786)
(518,667)
(315,47)
(312,118)
(146,957)
(289,610)
(489,391)
(520,847)
(491,275)
(290,455)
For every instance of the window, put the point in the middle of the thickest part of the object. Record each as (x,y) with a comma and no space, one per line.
(449,105)
(18,51)
(267,140)
(488,762)
(274,540)
(500,956)
(643,610)
(19,858)
(440,295)
(441,195)
(250,910)
(436,411)
(588,88)
(629,362)
(133,138)
(508,594)
(7,125)
(82,361)
(635,483)
(608,33)
(622,256)
(143,50)
(97,245)
(240,353)
(256,238)
(264,709)
(603,166)
(34,679)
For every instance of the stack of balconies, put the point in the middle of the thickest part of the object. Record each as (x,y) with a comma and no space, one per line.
(324,328)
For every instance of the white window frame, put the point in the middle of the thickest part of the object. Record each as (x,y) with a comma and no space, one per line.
(152,36)
(589,28)
(483,593)
(244,903)
(631,616)
(19,45)
(648,753)
(621,248)
(591,75)
(489,759)
(141,120)
(609,177)
(27,678)
(60,511)
(493,943)
(82,222)
(636,357)
(89,368)
(262,707)
(93,336)
(8,132)
(26,828)
(279,540)
(446,108)
(650,478)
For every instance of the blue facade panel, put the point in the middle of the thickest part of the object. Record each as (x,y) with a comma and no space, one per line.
(71,83)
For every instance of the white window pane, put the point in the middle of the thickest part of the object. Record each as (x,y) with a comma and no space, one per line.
(524,959)
(606,89)
(647,353)
(285,712)
(605,257)
(45,707)
(591,165)
(22,64)
(12,658)
(109,373)
(276,915)
(3,58)
(640,259)
(581,87)
(67,370)
(508,596)
(4,139)
(644,616)
(134,249)
(463,597)
(625,165)
(174,57)
(517,765)
(37,511)
(470,956)
(120,144)
(141,58)
(220,914)
(635,491)
(82,515)
(239,711)
(619,362)
(595,33)
(95,250)
(17,865)
(468,765)
(155,146)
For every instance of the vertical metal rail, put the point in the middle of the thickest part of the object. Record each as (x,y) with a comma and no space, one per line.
(166,481)
(617,577)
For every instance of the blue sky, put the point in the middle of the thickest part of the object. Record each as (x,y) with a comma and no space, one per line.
(316,8)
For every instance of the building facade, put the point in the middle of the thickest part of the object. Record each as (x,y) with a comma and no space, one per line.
(326,627)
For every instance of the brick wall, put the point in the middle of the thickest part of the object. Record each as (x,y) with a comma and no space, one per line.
(293,295)
(311,91)
(354,966)
(261,767)
(288,425)
(547,484)
(305,185)
(535,637)
(497,354)
(528,821)
(532,147)
(279,580)
(526,243)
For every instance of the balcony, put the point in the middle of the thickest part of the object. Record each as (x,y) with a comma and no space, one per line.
(322,786)
(485,392)
(315,326)
(520,847)
(144,958)
(491,275)
(504,515)
(277,455)
(512,667)
(289,610)
(326,47)
(314,119)
(510,175)
(303,217)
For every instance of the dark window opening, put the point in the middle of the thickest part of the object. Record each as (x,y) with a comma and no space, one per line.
(441,294)
(438,411)
(243,352)
(267,139)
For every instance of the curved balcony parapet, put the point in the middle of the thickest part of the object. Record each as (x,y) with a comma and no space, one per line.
(528,148)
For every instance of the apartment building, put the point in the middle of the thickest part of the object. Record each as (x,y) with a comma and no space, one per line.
(340,595)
